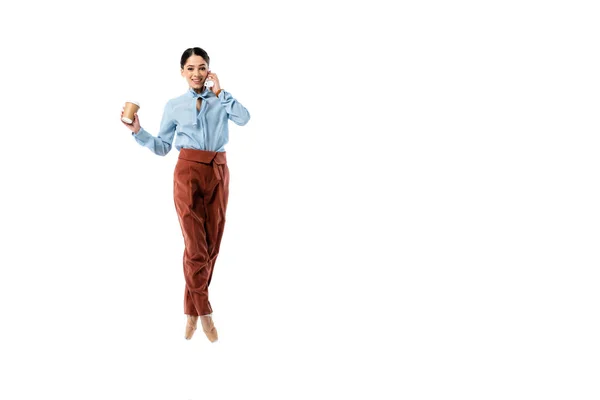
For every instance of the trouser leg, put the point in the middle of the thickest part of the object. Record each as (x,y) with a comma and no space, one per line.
(216,208)
(201,203)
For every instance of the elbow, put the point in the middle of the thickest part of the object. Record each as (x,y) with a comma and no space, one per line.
(241,118)
(164,151)
(243,121)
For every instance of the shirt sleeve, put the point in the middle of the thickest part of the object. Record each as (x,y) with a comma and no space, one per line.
(235,110)
(160,145)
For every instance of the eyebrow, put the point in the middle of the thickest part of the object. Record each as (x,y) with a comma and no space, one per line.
(192,65)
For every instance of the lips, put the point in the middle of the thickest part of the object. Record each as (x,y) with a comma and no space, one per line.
(195,81)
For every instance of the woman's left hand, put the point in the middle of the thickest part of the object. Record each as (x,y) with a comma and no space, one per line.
(217,86)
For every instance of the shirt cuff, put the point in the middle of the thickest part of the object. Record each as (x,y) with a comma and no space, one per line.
(141,137)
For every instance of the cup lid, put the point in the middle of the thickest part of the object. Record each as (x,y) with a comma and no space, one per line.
(137,103)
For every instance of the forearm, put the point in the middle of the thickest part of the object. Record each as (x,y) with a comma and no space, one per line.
(157,145)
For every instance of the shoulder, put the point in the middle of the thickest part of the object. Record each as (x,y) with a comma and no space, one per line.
(176,102)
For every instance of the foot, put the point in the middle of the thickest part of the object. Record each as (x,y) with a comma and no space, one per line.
(208,327)
(190,327)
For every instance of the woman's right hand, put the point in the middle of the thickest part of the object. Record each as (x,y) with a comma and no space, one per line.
(135,125)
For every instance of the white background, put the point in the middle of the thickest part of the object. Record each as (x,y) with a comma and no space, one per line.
(413,206)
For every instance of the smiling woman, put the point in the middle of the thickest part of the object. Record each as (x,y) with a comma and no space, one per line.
(199,118)
(194,67)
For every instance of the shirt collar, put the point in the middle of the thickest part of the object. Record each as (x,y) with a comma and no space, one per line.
(204,95)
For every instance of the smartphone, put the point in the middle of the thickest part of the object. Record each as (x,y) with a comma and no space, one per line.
(209,83)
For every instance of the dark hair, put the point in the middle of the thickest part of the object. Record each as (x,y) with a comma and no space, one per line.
(197,51)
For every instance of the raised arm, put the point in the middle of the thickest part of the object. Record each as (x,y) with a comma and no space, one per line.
(236,111)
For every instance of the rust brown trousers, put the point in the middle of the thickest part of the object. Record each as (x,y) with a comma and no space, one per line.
(200,191)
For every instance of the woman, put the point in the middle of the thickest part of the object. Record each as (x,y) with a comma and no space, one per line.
(199,118)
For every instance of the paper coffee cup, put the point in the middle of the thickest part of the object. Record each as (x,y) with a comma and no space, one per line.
(131,107)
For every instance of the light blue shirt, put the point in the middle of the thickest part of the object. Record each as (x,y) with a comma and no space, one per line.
(206,129)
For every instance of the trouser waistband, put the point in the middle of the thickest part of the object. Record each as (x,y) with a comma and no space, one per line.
(205,157)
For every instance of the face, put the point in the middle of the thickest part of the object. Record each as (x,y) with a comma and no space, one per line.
(195,71)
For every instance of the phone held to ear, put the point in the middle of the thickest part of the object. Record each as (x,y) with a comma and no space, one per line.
(208,83)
